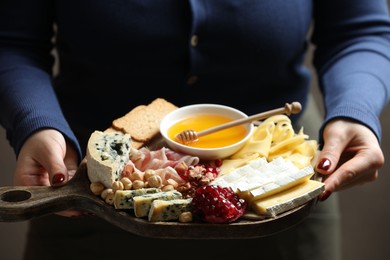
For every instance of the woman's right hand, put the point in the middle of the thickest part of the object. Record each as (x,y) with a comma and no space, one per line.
(46,159)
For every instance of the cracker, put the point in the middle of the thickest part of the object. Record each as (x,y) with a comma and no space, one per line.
(143,122)
(124,123)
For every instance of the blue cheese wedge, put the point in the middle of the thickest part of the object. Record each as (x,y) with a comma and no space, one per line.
(143,203)
(288,199)
(107,154)
(124,199)
(168,210)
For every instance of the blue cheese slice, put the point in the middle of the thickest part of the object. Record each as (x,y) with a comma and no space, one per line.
(143,203)
(107,154)
(288,199)
(167,210)
(124,199)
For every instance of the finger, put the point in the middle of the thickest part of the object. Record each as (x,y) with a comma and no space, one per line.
(57,170)
(71,160)
(330,154)
(60,162)
(29,172)
(53,161)
(356,171)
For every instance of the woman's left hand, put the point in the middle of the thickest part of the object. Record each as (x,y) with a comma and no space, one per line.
(351,155)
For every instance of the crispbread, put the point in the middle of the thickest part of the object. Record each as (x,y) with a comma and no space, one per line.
(125,122)
(143,122)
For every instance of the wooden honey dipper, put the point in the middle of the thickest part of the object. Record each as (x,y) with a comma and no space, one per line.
(188,136)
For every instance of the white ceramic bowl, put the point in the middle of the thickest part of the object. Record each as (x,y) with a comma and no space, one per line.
(204,153)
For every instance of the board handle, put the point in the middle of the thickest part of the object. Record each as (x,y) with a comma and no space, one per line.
(19,203)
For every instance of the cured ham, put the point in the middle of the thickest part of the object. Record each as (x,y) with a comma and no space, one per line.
(146,159)
(165,162)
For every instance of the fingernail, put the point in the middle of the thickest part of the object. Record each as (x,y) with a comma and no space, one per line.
(58,178)
(325,195)
(324,164)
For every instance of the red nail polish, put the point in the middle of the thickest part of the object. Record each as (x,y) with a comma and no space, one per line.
(324,164)
(58,178)
(325,195)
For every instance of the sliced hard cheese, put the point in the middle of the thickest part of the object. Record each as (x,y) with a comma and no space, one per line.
(107,154)
(124,199)
(255,174)
(288,199)
(229,165)
(281,182)
(273,172)
(142,203)
(166,210)
(247,174)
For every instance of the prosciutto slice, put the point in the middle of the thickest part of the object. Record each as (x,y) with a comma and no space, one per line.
(167,164)
(144,158)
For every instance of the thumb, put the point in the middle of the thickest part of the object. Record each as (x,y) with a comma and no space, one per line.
(334,144)
(60,162)
(329,159)
(56,168)
(58,177)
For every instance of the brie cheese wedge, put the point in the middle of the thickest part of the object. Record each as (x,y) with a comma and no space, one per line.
(288,199)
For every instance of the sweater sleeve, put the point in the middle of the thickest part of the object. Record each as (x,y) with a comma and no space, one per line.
(27,99)
(352,58)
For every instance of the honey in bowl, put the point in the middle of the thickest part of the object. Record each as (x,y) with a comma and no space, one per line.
(201,122)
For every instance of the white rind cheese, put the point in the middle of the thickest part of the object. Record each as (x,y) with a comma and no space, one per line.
(107,154)
(280,182)
(244,175)
(142,203)
(124,199)
(167,210)
(256,173)
(288,199)
(260,178)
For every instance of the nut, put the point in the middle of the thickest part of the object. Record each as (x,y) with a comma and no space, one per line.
(117,185)
(167,187)
(127,183)
(185,217)
(137,176)
(155,181)
(173,183)
(149,173)
(138,184)
(96,188)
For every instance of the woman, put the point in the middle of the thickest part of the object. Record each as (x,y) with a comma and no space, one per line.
(115,55)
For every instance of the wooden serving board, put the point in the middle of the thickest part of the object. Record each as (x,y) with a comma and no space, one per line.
(19,203)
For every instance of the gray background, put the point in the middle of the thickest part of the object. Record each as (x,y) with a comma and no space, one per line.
(365,209)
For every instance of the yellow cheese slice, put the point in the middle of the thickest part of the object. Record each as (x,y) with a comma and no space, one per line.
(167,210)
(288,199)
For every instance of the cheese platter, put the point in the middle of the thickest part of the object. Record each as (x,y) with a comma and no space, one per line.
(278,201)
(20,203)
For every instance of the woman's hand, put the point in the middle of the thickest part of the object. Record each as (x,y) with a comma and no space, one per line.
(46,159)
(351,155)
